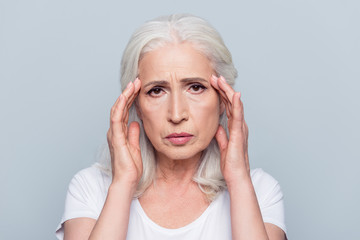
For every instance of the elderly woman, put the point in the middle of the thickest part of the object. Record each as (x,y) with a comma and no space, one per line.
(178,166)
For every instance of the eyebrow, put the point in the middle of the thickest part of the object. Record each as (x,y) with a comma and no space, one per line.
(184,80)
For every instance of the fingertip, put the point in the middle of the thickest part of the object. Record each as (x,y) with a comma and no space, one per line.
(220,127)
(134,126)
(221,137)
(222,79)
(236,103)
(236,96)
(213,77)
(213,81)
(137,84)
(223,84)
(129,89)
(137,80)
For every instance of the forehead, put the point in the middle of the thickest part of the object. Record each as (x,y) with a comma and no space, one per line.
(174,61)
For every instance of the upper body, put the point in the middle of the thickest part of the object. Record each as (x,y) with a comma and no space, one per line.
(88,190)
(177,137)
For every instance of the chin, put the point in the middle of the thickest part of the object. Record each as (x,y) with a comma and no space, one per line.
(181,153)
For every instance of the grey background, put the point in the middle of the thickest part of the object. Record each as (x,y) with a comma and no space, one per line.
(298,64)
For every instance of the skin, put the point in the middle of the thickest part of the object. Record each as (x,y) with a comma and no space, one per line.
(177,97)
(178,92)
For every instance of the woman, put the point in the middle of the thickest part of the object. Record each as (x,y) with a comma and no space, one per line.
(174,173)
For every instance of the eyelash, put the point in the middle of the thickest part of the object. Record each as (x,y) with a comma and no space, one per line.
(202,87)
(156,88)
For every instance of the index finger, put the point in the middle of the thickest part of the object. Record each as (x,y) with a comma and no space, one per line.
(226,88)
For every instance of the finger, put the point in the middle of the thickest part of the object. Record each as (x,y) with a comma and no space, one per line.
(226,88)
(136,84)
(237,131)
(129,96)
(228,110)
(225,91)
(116,126)
(246,131)
(117,109)
(114,106)
(134,135)
(214,83)
(246,147)
(224,98)
(221,138)
(114,117)
(237,108)
(128,91)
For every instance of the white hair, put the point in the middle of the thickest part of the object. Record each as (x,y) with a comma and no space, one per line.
(176,28)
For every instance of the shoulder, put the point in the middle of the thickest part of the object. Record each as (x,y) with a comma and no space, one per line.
(89,181)
(91,173)
(260,177)
(266,187)
(270,198)
(86,195)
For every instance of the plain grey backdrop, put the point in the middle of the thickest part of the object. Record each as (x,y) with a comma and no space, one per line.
(299,72)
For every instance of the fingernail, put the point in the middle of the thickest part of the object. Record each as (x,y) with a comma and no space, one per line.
(222,79)
(137,80)
(128,85)
(213,77)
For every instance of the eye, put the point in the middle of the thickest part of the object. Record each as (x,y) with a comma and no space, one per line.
(197,88)
(155,92)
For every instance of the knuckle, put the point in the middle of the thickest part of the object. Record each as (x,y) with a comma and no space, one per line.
(114,119)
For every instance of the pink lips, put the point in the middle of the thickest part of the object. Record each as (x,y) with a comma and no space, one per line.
(179,138)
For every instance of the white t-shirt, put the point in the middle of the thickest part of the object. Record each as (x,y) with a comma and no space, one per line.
(88,190)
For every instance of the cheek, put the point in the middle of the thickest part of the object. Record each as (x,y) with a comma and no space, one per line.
(150,113)
(207,114)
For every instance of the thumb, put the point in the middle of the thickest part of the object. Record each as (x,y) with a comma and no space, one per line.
(221,138)
(134,134)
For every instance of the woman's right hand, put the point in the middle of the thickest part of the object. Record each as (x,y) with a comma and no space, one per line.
(123,140)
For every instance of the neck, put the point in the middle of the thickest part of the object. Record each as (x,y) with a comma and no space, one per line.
(176,171)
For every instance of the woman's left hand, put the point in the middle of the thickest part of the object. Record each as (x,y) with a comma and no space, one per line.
(234,151)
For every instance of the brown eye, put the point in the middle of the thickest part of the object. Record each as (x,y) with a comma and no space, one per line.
(197,88)
(156,91)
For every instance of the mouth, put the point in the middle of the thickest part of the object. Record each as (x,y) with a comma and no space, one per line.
(179,138)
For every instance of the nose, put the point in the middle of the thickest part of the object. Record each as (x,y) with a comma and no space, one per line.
(177,108)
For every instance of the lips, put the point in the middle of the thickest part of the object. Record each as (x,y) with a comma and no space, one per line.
(179,138)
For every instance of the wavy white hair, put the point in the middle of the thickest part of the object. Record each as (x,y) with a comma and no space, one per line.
(176,28)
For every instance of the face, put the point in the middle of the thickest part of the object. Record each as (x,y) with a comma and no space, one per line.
(178,106)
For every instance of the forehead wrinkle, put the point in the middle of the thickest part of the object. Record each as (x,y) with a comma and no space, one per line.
(184,80)
(194,79)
